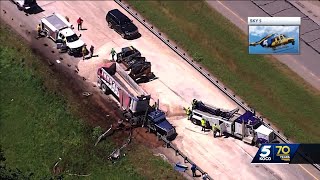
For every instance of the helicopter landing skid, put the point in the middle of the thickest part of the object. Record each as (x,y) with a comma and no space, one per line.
(282,49)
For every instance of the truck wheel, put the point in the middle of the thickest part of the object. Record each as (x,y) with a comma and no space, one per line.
(69,51)
(99,83)
(194,121)
(19,8)
(104,88)
(110,25)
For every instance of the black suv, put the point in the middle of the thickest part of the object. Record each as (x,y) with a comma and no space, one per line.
(121,24)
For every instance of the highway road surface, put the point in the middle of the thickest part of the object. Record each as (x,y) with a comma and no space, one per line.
(307,63)
(177,84)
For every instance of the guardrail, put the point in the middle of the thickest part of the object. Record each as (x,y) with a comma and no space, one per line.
(206,74)
(186,159)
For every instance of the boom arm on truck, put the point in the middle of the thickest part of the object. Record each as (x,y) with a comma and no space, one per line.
(244,126)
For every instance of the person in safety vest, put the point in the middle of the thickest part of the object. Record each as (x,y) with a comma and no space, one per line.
(188,112)
(203,124)
(216,129)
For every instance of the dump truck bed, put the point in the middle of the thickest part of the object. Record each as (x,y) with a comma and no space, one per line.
(128,83)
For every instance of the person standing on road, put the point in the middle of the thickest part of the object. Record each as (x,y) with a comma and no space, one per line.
(193,169)
(203,124)
(67,18)
(113,53)
(215,129)
(39,29)
(91,51)
(79,22)
(84,51)
(188,111)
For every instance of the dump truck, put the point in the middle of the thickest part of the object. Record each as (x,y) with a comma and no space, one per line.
(133,100)
(57,28)
(244,126)
(127,53)
(24,5)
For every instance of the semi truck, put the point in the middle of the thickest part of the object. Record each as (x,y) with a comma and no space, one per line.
(57,28)
(244,126)
(24,5)
(133,100)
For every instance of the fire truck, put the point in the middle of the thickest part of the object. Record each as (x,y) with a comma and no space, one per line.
(134,101)
(243,126)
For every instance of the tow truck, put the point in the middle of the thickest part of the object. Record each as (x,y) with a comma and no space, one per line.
(244,126)
(134,101)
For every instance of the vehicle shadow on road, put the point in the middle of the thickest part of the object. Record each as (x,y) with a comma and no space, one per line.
(34,10)
(134,37)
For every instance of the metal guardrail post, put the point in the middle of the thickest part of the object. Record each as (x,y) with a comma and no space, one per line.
(200,70)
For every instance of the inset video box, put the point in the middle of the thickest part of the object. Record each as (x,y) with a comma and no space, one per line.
(274,35)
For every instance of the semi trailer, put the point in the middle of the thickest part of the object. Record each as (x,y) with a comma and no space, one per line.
(57,28)
(134,101)
(244,126)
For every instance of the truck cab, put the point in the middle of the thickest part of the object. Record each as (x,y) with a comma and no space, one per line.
(127,54)
(73,42)
(157,122)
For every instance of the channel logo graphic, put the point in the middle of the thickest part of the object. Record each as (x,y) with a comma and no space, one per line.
(276,153)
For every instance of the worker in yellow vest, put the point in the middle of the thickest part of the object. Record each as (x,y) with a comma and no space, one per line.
(215,129)
(203,124)
(188,112)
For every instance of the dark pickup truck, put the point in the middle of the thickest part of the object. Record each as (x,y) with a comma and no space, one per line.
(157,122)
(127,53)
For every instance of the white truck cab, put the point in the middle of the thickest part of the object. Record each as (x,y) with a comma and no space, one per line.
(72,40)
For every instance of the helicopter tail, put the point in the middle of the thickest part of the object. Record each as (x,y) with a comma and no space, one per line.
(254,44)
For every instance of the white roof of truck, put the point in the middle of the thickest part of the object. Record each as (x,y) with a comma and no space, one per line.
(263,130)
(55,22)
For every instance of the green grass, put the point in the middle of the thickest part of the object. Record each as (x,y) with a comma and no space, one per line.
(263,82)
(37,126)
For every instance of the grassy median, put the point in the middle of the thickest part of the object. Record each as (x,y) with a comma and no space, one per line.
(263,82)
(37,126)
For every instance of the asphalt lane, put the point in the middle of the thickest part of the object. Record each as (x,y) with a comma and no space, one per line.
(307,63)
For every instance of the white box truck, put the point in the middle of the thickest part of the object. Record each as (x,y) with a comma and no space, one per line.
(57,28)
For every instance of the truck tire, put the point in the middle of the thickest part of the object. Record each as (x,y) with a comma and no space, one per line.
(110,25)
(69,51)
(194,121)
(99,83)
(19,8)
(104,88)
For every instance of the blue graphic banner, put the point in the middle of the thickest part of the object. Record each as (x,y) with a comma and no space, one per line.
(276,153)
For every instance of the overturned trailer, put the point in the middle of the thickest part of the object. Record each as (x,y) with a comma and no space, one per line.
(134,101)
(244,126)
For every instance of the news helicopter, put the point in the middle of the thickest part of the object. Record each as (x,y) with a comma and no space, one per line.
(274,41)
